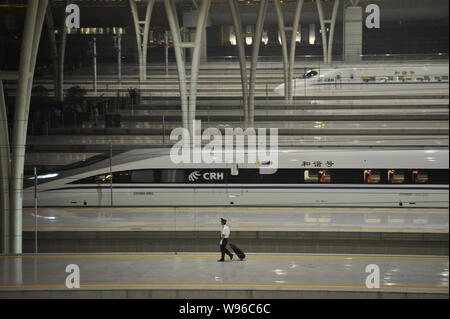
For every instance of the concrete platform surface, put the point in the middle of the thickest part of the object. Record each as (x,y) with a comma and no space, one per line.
(274,273)
(328,219)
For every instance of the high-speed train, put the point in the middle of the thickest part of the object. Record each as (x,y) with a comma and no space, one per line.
(305,177)
(372,80)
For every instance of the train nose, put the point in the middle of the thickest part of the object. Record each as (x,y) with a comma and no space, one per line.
(279,89)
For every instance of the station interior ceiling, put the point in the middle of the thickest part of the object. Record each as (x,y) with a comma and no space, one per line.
(407,27)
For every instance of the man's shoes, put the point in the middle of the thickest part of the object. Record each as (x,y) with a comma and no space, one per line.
(221,260)
(231,257)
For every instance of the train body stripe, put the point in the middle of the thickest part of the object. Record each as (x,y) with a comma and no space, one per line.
(247,187)
(376,83)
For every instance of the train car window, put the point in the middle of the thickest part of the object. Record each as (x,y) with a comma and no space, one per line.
(311,74)
(234,170)
(438,176)
(88,180)
(122,177)
(102,179)
(281,176)
(409,78)
(352,76)
(308,75)
(383,79)
(347,176)
(420,78)
(427,78)
(369,79)
(372,176)
(390,78)
(172,176)
(396,176)
(324,176)
(401,78)
(246,176)
(444,78)
(438,78)
(420,177)
(338,77)
(317,176)
(311,176)
(142,176)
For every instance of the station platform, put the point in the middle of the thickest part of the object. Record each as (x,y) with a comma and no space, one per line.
(399,231)
(332,219)
(195,275)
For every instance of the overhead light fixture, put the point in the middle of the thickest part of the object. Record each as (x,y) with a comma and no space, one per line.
(265,38)
(312,33)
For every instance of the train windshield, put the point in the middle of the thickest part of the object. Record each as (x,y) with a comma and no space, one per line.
(308,75)
(51,175)
(86,162)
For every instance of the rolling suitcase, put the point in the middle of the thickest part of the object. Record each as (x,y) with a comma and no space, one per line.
(238,252)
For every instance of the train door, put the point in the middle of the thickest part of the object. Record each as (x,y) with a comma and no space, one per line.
(338,80)
(103,195)
(234,190)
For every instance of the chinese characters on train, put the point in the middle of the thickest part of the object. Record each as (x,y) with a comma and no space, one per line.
(318,164)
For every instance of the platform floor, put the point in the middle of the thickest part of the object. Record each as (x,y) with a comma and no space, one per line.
(272,274)
(417,220)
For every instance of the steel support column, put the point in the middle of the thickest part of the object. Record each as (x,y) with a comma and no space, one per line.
(62,53)
(53,49)
(234,9)
(30,44)
(255,53)
(327,41)
(58,50)
(323,31)
(353,32)
(282,32)
(188,110)
(5,171)
(200,31)
(296,23)
(118,47)
(94,62)
(332,27)
(142,35)
(179,56)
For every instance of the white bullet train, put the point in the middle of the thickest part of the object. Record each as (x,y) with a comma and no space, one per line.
(419,80)
(305,177)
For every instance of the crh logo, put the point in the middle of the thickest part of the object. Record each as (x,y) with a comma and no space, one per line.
(208,176)
(194,176)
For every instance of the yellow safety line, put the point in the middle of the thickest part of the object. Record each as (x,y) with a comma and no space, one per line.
(222,284)
(214,256)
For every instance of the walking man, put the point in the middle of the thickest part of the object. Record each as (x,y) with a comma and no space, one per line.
(225,234)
